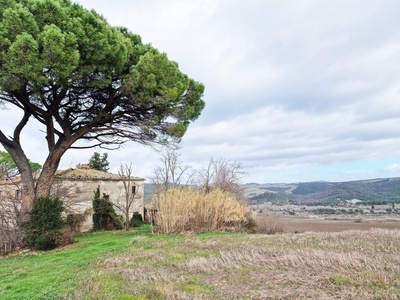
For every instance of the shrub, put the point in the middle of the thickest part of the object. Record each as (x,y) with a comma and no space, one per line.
(104,216)
(75,221)
(268,224)
(136,220)
(180,210)
(251,225)
(44,228)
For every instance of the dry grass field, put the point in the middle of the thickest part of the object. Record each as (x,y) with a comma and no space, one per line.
(320,224)
(343,265)
(352,264)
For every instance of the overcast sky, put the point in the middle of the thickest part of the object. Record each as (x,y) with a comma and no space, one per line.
(295,90)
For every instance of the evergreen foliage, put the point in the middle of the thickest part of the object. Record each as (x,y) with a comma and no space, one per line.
(279,198)
(99,162)
(136,220)
(8,167)
(104,217)
(82,79)
(44,228)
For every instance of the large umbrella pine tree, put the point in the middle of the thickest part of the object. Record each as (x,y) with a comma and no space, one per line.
(85,80)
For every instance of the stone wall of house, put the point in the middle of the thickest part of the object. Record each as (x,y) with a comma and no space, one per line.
(9,207)
(78,194)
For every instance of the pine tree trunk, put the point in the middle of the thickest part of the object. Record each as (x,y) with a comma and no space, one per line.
(46,178)
(28,193)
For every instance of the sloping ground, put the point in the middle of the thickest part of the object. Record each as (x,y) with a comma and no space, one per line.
(344,265)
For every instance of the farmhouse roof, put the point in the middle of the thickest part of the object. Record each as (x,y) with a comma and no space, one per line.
(80,174)
(90,174)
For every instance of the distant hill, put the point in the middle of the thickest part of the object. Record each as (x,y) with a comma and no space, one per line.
(370,192)
(149,190)
(374,191)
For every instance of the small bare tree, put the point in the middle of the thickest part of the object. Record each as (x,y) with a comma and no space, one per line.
(172,172)
(224,175)
(130,191)
(220,175)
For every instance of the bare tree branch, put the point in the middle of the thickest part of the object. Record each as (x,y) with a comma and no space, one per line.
(126,201)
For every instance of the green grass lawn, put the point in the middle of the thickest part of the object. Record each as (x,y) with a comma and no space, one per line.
(47,275)
(139,265)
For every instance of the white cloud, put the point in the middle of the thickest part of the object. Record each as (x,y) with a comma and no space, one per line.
(392,167)
(296,90)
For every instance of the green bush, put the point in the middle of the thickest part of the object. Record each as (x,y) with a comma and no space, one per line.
(104,217)
(136,220)
(44,228)
(326,211)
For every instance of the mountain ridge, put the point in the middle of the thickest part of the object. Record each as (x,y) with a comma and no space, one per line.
(368,191)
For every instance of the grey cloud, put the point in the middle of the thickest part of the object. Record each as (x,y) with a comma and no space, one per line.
(291,86)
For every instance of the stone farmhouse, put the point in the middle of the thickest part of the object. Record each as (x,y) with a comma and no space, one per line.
(76,187)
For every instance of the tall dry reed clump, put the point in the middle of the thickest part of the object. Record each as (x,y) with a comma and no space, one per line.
(180,210)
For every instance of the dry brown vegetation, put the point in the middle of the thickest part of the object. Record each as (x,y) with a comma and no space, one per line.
(343,265)
(339,223)
(181,210)
(270,223)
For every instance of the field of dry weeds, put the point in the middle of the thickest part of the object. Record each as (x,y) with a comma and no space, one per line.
(343,265)
(352,264)
(337,223)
